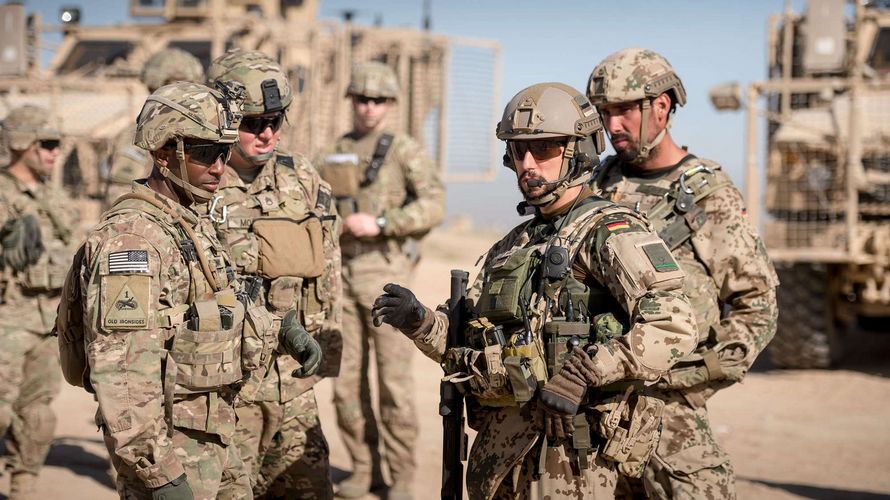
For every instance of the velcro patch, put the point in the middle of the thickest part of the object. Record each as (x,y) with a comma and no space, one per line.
(128,261)
(126,302)
(661,259)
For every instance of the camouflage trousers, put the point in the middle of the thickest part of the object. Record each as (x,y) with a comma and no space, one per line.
(284,448)
(30,379)
(688,462)
(364,277)
(213,469)
(559,478)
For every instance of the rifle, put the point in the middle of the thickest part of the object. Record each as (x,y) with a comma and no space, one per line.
(451,401)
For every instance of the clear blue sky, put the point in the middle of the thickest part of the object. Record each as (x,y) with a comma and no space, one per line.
(708,42)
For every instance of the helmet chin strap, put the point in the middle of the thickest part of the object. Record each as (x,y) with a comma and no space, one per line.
(255,159)
(194,194)
(566,178)
(645,146)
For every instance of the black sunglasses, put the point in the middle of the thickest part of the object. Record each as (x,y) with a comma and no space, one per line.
(257,124)
(363,99)
(541,149)
(49,144)
(207,154)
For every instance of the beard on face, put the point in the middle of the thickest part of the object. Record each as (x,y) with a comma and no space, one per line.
(629,151)
(534,193)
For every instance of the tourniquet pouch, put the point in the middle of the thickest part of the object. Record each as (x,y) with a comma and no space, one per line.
(479,374)
(630,423)
(49,272)
(502,291)
(526,369)
(289,247)
(206,350)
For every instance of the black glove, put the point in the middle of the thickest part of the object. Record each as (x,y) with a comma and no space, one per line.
(563,393)
(177,489)
(22,242)
(299,344)
(398,307)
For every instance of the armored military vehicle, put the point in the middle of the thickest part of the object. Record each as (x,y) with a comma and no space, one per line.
(826,104)
(92,82)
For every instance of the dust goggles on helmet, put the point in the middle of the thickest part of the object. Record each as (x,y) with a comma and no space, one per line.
(49,144)
(363,99)
(541,149)
(257,124)
(207,154)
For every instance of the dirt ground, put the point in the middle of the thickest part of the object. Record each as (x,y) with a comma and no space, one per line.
(792,434)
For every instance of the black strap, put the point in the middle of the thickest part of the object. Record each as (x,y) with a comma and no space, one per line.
(285,161)
(376,162)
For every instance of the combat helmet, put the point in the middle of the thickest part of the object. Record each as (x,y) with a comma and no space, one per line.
(267,89)
(185,110)
(555,110)
(171,65)
(635,74)
(25,125)
(373,79)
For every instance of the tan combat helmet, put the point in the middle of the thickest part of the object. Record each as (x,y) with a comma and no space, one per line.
(635,74)
(185,110)
(555,110)
(373,79)
(26,125)
(171,65)
(267,89)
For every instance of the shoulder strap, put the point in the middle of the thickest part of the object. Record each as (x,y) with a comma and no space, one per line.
(377,158)
(177,219)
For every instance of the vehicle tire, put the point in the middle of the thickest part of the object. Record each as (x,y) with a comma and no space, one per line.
(807,334)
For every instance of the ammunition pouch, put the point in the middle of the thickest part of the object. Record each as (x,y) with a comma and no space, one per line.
(48,273)
(630,423)
(278,237)
(508,282)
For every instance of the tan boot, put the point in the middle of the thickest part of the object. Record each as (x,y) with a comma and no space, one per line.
(400,491)
(21,485)
(355,486)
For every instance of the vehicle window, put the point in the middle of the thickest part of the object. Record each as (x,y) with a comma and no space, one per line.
(90,55)
(880,52)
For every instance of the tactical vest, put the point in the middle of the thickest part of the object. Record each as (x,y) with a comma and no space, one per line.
(262,231)
(520,340)
(342,173)
(210,345)
(677,216)
(48,273)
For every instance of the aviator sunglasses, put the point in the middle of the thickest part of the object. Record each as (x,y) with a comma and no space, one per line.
(207,154)
(257,124)
(542,149)
(363,99)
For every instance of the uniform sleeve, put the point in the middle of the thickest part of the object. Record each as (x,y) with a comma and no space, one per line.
(641,274)
(332,327)
(746,281)
(426,193)
(124,290)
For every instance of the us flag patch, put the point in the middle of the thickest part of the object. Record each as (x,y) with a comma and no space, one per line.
(128,261)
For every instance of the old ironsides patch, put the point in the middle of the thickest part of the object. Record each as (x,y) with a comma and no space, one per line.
(125,302)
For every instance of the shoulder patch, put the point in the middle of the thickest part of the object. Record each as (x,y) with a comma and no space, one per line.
(323,198)
(128,262)
(125,302)
(285,160)
(660,258)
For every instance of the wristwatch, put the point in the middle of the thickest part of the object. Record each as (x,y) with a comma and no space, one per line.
(381,223)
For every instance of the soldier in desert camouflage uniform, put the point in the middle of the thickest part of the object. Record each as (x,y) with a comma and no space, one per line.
(171,333)
(36,241)
(127,161)
(700,214)
(268,197)
(388,193)
(572,313)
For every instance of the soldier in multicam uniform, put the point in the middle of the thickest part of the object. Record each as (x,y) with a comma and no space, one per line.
(696,209)
(388,193)
(128,162)
(170,332)
(572,314)
(275,215)
(36,241)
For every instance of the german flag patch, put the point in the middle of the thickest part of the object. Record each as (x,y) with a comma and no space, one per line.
(618,225)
